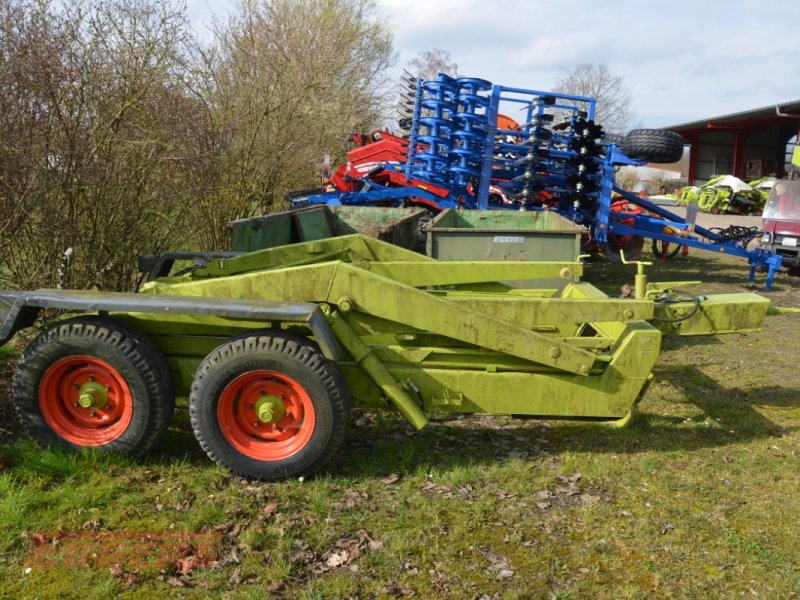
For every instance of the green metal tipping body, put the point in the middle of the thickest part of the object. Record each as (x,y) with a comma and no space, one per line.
(384,327)
(427,336)
(417,334)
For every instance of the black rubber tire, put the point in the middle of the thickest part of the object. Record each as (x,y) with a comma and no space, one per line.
(633,249)
(653,145)
(671,252)
(287,354)
(613,138)
(137,360)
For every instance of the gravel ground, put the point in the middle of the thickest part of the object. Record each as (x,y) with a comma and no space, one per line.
(708,220)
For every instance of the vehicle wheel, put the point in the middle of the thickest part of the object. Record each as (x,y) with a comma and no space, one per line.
(653,145)
(631,244)
(613,138)
(665,250)
(94,382)
(269,405)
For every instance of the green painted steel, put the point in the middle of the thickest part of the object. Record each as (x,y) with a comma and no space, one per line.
(92,395)
(338,282)
(409,333)
(396,226)
(350,248)
(477,235)
(428,336)
(725,313)
(270,409)
(436,336)
(420,335)
(364,357)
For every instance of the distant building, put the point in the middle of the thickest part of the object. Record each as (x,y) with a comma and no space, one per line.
(750,144)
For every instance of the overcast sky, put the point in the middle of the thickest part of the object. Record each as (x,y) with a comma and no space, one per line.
(683,60)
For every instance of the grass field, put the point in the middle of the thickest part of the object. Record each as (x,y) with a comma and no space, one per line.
(697,499)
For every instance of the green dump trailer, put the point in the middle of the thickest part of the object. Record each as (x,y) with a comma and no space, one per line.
(273,347)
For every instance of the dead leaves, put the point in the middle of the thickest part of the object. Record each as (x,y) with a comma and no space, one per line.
(571,488)
(268,510)
(93,524)
(229,528)
(352,498)
(499,566)
(391,478)
(567,492)
(410,568)
(186,503)
(127,580)
(237,579)
(344,551)
(399,590)
(465,493)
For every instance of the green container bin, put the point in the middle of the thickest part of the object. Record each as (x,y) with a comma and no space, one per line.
(396,226)
(505,235)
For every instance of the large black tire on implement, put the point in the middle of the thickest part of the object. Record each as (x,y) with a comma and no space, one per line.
(94,382)
(653,145)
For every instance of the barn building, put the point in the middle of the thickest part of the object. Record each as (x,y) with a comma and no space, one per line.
(749,144)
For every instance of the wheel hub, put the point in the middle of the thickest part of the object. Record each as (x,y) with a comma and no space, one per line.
(270,409)
(92,395)
(85,400)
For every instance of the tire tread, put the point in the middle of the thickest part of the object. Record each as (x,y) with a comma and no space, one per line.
(145,356)
(653,145)
(295,348)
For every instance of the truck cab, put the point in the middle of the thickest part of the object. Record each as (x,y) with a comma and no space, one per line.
(781,223)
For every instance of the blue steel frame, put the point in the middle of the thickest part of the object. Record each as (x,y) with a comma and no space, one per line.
(554,175)
(502,93)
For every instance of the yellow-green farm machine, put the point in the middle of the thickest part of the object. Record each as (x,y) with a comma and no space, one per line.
(272,348)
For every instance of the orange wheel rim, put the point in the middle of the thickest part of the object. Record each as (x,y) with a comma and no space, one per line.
(244,426)
(72,379)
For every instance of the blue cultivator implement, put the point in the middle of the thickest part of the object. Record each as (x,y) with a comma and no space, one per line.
(463,151)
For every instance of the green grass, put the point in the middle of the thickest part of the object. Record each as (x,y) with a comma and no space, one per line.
(697,499)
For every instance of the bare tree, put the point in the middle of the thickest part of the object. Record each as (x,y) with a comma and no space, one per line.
(94,124)
(613,96)
(427,64)
(626,178)
(121,136)
(285,82)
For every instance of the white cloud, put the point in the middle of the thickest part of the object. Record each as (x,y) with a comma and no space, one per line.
(547,52)
(684,59)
